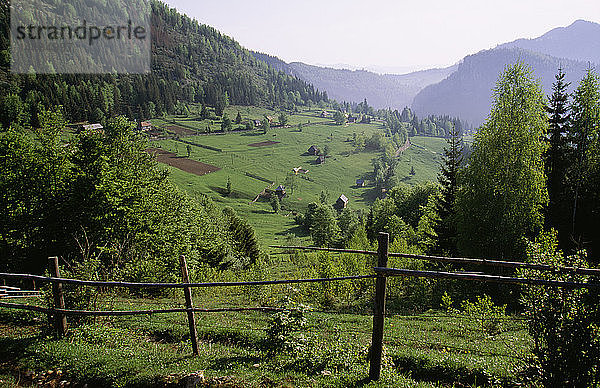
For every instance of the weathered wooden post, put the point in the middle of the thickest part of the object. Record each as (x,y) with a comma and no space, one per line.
(60,320)
(189,304)
(379,309)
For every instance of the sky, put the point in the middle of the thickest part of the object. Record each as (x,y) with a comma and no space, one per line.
(393,36)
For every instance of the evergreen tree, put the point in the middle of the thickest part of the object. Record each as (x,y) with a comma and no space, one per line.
(238,118)
(557,156)
(445,224)
(585,118)
(503,191)
(275,203)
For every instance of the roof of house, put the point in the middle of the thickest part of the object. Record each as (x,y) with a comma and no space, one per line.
(145,124)
(359,181)
(320,158)
(280,188)
(343,198)
(88,127)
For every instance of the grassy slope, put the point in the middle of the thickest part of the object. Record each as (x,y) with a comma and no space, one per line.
(336,176)
(434,349)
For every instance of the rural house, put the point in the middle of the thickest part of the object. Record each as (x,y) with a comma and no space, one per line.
(145,126)
(313,150)
(280,191)
(93,127)
(324,113)
(320,159)
(360,183)
(341,202)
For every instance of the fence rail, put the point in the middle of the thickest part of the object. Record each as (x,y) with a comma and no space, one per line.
(59,313)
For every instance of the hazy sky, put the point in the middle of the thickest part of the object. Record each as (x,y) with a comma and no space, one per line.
(389,34)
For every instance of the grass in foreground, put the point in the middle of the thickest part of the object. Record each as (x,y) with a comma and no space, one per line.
(429,350)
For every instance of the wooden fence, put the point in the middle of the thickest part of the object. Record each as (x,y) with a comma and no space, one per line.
(59,313)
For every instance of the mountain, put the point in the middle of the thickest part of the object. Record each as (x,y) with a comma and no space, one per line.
(580,41)
(467,92)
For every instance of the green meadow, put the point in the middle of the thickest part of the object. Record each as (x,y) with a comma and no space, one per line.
(242,164)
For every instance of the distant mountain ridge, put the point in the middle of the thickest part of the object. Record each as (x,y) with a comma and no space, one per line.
(572,42)
(380,90)
(467,92)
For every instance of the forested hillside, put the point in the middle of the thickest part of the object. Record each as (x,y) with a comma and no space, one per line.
(191,62)
(467,93)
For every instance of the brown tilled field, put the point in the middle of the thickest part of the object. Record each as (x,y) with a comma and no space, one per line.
(263,143)
(181,131)
(182,163)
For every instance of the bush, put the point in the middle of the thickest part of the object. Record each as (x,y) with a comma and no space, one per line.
(564,323)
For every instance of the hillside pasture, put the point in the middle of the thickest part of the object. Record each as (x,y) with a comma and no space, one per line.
(284,149)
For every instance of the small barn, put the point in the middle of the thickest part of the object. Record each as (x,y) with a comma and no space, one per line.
(145,126)
(324,113)
(93,127)
(313,150)
(341,202)
(360,183)
(280,191)
(320,159)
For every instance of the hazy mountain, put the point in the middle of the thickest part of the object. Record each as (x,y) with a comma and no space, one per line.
(381,91)
(579,41)
(467,92)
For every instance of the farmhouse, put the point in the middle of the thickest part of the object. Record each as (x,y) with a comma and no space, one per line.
(324,113)
(360,183)
(313,150)
(257,123)
(341,202)
(92,127)
(280,191)
(145,126)
(320,159)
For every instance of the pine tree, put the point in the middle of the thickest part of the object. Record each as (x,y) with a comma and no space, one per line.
(585,118)
(557,156)
(238,118)
(445,225)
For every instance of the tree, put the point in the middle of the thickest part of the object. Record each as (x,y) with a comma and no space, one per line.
(189,150)
(228,187)
(558,155)
(339,118)
(283,119)
(323,226)
(585,119)
(503,189)
(266,124)
(226,124)
(445,206)
(238,118)
(275,203)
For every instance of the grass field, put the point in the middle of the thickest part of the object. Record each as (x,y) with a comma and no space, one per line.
(428,350)
(338,175)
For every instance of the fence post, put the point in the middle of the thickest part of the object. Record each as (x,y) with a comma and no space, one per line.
(189,305)
(379,309)
(60,320)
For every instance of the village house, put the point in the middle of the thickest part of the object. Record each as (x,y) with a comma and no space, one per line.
(360,183)
(280,191)
(313,150)
(145,126)
(341,202)
(93,127)
(320,159)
